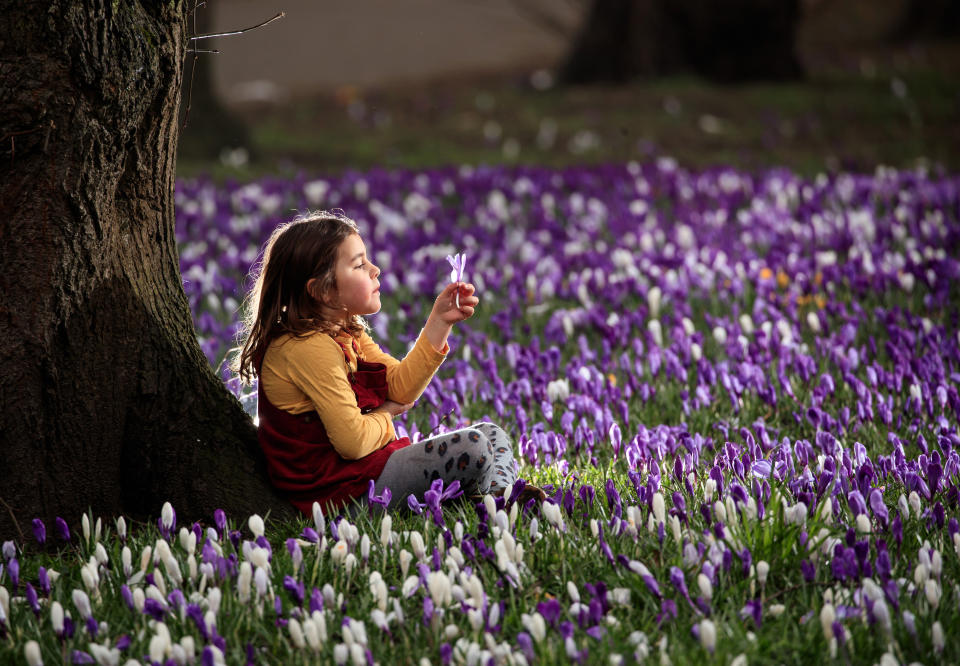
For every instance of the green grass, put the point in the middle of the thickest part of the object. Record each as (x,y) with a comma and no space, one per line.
(553,560)
(834,119)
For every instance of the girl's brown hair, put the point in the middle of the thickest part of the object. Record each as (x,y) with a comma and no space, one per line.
(279,302)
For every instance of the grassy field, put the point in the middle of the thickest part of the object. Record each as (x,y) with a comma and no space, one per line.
(857,109)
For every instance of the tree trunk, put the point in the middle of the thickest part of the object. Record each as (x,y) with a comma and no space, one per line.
(106,399)
(927,19)
(727,41)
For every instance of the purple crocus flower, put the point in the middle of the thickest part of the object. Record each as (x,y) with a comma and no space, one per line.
(127,596)
(81,657)
(878,507)
(310,534)
(220,520)
(154,609)
(13,570)
(415,505)
(63,530)
(39,531)
(195,613)
(32,600)
(295,588)
(382,500)
(44,580)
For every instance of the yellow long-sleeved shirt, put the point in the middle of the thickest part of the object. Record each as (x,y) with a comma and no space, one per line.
(307,374)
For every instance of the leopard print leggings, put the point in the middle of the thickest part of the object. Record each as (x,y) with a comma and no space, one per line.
(480,457)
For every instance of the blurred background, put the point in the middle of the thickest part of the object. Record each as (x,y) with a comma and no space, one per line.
(812,85)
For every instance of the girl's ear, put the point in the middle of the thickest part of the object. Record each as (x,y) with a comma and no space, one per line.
(313,288)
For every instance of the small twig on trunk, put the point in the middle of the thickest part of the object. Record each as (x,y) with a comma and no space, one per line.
(196,52)
(238,32)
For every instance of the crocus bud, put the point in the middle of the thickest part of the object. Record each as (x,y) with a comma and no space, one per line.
(706,587)
(708,635)
(296,633)
(31,652)
(653,300)
(659,508)
(827,616)
(82,602)
(914,501)
(386,530)
(255,523)
(416,543)
(932,592)
(937,635)
(56,618)
(405,558)
(762,570)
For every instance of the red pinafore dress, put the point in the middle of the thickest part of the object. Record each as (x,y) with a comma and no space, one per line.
(301,461)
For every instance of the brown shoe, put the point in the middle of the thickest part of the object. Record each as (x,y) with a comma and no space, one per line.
(529,492)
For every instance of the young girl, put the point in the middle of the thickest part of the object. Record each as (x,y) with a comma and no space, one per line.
(328,393)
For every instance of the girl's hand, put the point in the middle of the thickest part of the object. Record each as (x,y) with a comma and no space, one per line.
(393,408)
(445,308)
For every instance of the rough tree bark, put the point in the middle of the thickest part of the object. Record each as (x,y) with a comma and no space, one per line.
(722,40)
(106,400)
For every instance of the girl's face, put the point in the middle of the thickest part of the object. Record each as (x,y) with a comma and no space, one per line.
(358,289)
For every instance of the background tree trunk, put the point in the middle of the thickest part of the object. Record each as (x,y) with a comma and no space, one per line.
(722,40)
(106,400)
(927,19)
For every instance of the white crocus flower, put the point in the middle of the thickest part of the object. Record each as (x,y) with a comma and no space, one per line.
(319,522)
(405,558)
(659,507)
(534,624)
(104,655)
(56,617)
(386,530)
(656,331)
(653,300)
(552,514)
(763,569)
(932,591)
(706,587)
(416,543)
(720,335)
(82,602)
(31,652)
(296,633)
(914,501)
(255,523)
(244,578)
(708,635)
(827,616)
(937,636)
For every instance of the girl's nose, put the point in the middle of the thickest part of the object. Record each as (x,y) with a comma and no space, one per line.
(375,270)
